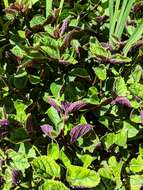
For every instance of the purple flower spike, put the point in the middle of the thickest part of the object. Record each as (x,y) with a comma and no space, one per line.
(79,131)
(4,122)
(15,176)
(141,114)
(122,100)
(54,104)
(75,106)
(47,129)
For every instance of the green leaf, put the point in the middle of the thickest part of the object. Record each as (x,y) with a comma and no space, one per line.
(52,52)
(136,182)
(8,179)
(55,89)
(132,131)
(34,79)
(86,159)
(70,59)
(105,171)
(115,168)
(27,150)
(45,166)
(28,3)
(111,172)
(120,87)
(18,135)
(80,72)
(92,96)
(136,89)
(17,51)
(100,72)
(109,140)
(64,158)
(135,116)
(82,177)
(136,165)
(121,58)
(53,151)
(121,138)
(21,34)
(97,50)
(20,80)
(19,160)
(135,75)
(44,39)
(55,118)
(53,185)
(20,111)
(37,20)
(9,105)
(135,104)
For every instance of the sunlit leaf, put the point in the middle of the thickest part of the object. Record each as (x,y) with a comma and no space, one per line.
(86,178)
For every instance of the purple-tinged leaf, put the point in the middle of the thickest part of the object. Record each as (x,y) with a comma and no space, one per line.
(71,35)
(79,131)
(4,122)
(137,7)
(63,62)
(137,98)
(1,181)
(1,163)
(54,104)
(3,131)
(106,46)
(75,106)
(141,114)
(101,19)
(107,60)
(15,176)
(65,106)
(122,100)
(47,129)
(64,27)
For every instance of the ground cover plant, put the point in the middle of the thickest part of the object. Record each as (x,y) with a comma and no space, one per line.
(71,94)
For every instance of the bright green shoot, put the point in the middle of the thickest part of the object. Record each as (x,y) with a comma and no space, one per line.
(5,3)
(118,13)
(137,34)
(48,7)
(114,16)
(61,6)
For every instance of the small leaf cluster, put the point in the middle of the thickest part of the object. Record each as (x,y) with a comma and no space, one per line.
(71,95)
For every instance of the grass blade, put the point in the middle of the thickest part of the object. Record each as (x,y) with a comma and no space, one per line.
(48,7)
(111,13)
(137,34)
(119,21)
(114,20)
(111,10)
(124,18)
(61,6)
(5,3)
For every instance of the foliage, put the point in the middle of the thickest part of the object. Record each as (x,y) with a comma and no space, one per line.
(71,94)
